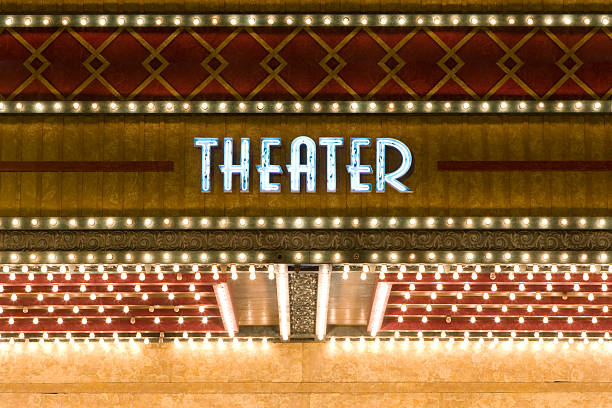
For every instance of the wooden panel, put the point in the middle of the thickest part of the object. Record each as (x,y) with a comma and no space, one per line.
(434,139)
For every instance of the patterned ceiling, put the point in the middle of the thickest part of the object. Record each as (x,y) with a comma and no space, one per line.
(304,63)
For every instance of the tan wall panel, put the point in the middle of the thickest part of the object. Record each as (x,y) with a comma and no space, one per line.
(431,139)
(305,375)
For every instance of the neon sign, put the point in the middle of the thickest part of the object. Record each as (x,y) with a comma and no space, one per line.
(303,162)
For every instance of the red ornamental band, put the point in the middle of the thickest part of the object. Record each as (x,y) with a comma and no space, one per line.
(306,63)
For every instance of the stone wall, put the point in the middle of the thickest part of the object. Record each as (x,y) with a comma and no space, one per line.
(306,375)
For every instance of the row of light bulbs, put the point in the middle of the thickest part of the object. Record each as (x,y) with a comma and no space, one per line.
(492,341)
(511,295)
(498,319)
(306,222)
(355,107)
(333,341)
(599,271)
(307,20)
(101,309)
(437,270)
(107,319)
(157,271)
(519,286)
(115,337)
(510,270)
(312,257)
(94,295)
(504,308)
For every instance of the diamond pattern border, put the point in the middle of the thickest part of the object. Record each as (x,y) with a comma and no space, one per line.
(516,73)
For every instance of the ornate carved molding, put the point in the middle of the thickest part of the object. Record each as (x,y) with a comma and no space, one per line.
(305,240)
(303,303)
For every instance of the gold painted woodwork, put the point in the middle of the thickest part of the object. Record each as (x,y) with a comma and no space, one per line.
(306,375)
(431,138)
(331,6)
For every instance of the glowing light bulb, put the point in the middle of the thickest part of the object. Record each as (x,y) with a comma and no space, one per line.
(271,272)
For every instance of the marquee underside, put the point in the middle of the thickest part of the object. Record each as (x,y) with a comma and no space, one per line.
(287,278)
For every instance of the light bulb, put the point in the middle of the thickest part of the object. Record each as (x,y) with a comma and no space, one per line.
(271,272)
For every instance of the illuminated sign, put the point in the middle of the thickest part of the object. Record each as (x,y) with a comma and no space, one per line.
(303,161)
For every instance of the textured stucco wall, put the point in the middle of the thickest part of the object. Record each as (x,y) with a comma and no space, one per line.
(306,375)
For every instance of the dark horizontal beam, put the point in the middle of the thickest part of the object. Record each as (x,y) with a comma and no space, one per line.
(109,299)
(67,313)
(520,300)
(572,165)
(490,325)
(119,325)
(86,166)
